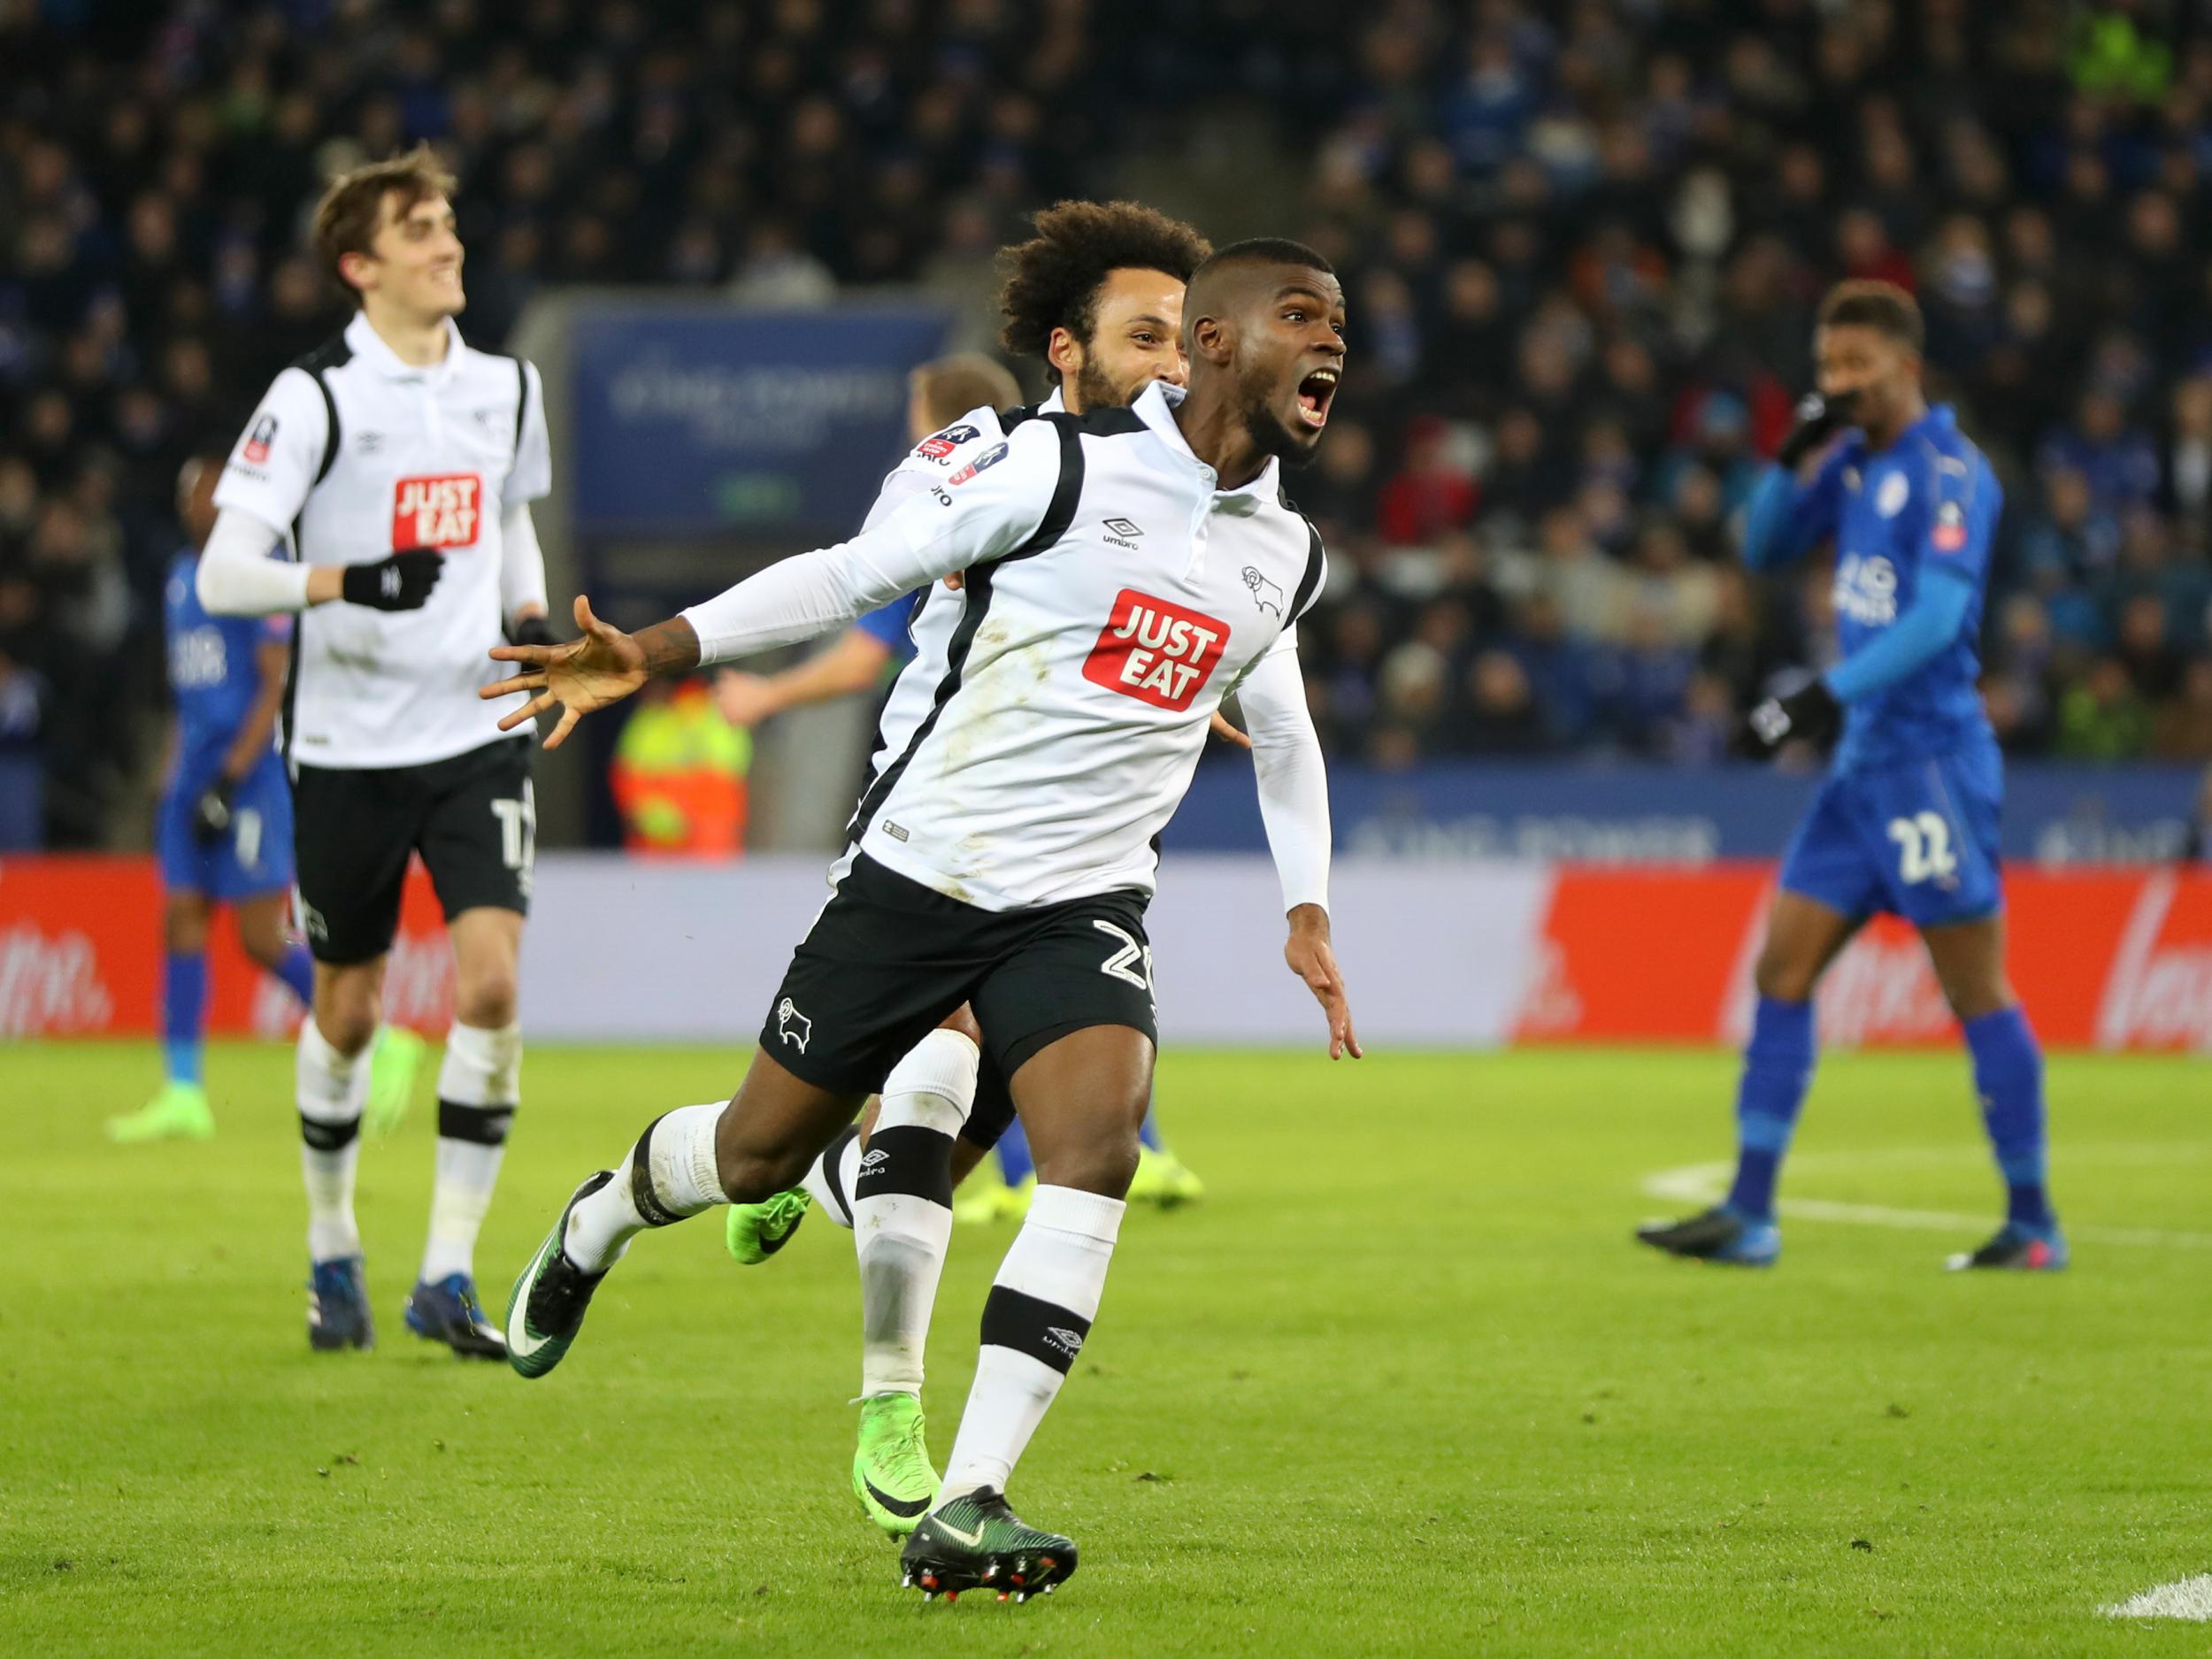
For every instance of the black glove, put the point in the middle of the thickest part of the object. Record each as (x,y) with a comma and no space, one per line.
(211,813)
(402,582)
(1809,715)
(531,631)
(1819,420)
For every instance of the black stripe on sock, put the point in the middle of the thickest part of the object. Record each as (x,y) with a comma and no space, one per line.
(641,1193)
(1042,1330)
(479,1125)
(906,1159)
(832,1156)
(329,1137)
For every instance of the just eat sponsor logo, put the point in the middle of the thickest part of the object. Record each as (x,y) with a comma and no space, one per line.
(1155,651)
(433,513)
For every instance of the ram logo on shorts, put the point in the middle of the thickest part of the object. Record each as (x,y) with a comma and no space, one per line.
(793,1026)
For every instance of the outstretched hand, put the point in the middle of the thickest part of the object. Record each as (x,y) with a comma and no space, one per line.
(604,666)
(1313,960)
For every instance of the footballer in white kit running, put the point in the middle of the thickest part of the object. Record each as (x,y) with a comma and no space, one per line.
(1124,571)
(396,465)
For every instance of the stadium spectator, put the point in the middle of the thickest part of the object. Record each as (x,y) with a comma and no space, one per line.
(1581,242)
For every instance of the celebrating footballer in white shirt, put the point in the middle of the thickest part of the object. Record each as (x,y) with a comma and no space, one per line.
(397,463)
(1125,570)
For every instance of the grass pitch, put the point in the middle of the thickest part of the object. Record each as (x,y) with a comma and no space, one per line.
(1401,1385)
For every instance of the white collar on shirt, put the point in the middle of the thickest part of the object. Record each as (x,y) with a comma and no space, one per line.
(1155,407)
(369,346)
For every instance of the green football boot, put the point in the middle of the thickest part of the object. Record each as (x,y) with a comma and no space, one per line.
(1165,1180)
(394,1065)
(546,1308)
(755,1232)
(179,1112)
(976,1540)
(892,1475)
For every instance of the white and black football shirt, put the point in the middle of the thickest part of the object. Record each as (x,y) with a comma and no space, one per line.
(360,454)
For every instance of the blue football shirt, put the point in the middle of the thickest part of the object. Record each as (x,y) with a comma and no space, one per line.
(211,669)
(1929,502)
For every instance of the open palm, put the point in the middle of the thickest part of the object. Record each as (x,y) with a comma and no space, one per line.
(603,666)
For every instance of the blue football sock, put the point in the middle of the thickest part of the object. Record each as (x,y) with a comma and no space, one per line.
(296,969)
(2009,1077)
(1148,1131)
(1013,1156)
(183,1013)
(1778,1067)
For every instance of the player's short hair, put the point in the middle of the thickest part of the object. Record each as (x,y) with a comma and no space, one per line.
(346,217)
(949,386)
(1879,305)
(1266,250)
(1052,280)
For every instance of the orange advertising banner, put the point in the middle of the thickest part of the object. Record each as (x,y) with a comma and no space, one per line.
(80,957)
(2118,959)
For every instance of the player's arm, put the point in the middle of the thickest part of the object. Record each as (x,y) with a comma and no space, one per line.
(851,663)
(1294,784)
(522,604)
(265,484)
(1789,512)
(272,664)
(946,528)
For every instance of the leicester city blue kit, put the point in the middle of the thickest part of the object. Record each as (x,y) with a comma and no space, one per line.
(215,677)
(1907,819)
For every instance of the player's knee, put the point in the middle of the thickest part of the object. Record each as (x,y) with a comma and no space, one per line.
(184,923)
(348,1025)
(1105,1162)
(1780,978)
(487,999)
(751,1176)
(962,1019)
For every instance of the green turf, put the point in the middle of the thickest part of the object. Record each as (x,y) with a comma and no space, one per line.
(1400,1385)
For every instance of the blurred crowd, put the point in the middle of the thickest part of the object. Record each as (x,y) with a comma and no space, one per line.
(1582,243)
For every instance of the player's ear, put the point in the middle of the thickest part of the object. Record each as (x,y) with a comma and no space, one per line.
(1064,352)
(1212,339)
(357,269)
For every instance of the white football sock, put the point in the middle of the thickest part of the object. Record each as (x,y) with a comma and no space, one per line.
(479,1086)
(831,1176)
(1039,1313)
(330,1089)
(903,1206)
(680,1181)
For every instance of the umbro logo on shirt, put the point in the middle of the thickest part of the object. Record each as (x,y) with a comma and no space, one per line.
(368,442)
(1155,651)
(1123,533)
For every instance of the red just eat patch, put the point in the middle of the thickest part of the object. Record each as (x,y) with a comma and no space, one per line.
(1155,651)
(431,512)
